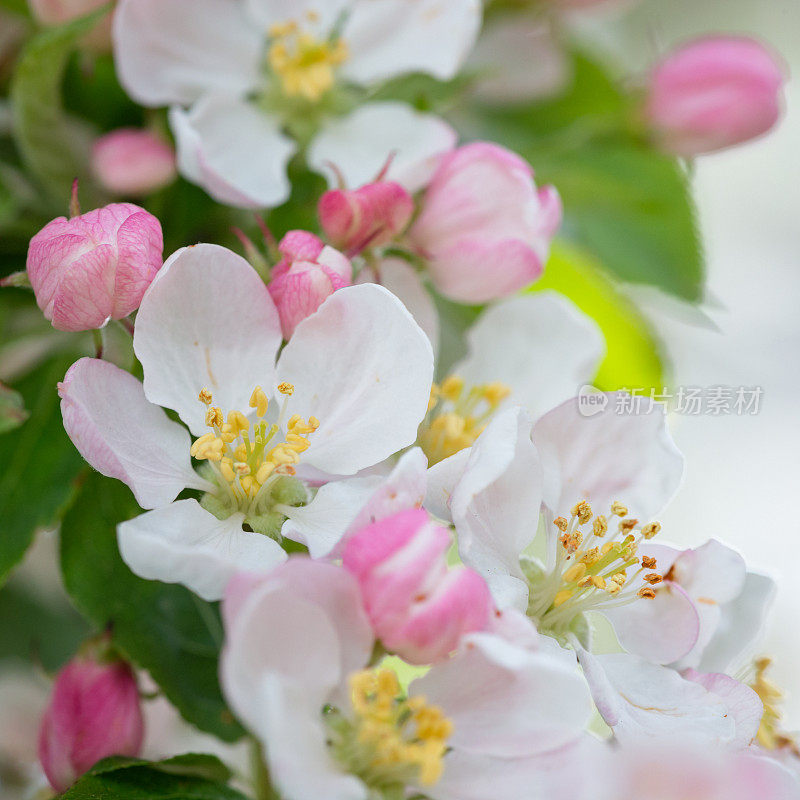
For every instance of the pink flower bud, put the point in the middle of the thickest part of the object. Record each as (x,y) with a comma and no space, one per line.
(308,273)
(367,217)
(714,93)
(418,607)
(94,712)
(95,267)
(130,161)
(484,227)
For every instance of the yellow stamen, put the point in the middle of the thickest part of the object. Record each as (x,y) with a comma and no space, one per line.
(286,388)
(258,401)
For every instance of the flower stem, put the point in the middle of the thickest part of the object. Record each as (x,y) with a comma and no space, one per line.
(262,785)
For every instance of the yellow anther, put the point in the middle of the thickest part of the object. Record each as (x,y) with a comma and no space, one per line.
(562,597)
(618,509)
(612,587)
(495,393)
(619,578)
(583,511)
(598,581)
(653,578)
(648,562)
(200,444)
(561,523)
(591,556)
(627,525)
(226,468)
(646,592)
(600,525)
(286,388)
(452,387)
(651,529)
(214,417)
(259,401)
(205,397)
(264,471)
(606,548)
(575,572)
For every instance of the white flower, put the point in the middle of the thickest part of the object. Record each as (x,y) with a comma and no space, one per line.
(207,336)
(295,670)
(239,74)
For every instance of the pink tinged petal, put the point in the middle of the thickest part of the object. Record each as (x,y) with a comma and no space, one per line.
(207,322)
(507,701)
(495,505)
(124,436)
(662,629)
(744,705)
(321,524)
(608,456)
(132,161)
(712,571)
(392,37)
(183,543)
(355,364)
(639,699)
(714,93)
(174,52)
(540,345)
(236,152)
(740,623)
(361,143)
(443,477)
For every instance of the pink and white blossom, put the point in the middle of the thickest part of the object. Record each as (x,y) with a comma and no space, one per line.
(94,267)
(484,227)
(714,93)
(308,273)
(132,161)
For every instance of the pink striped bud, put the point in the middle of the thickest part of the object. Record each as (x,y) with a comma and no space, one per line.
(714,93)
(94,712)
(133,162)
(308,273)
(94,267)
(367,217)
(418,607)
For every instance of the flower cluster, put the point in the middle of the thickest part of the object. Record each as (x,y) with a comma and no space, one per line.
(439,578)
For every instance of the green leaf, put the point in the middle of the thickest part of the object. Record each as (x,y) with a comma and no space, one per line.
(187,777)
(53,146)
(12,409)
(163,628)
(633,358)
(40,466)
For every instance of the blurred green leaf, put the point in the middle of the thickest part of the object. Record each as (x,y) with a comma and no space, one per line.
(53,146)
(633,357)
(40,465)
(186,777)
(163,628)
(629,205)
(12,409)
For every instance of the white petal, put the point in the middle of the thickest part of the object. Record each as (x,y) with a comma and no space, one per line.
(123,435)
(639,699)
(495,504)
(404,282)
(712,571)
(443,477)
(174,52)
(740,623)
(322,523)
(608,456)
(270,12)
(541,345)
(361,143)
(391,37)
(184,543)
(507,701)
(207,320)
(236,152)
(364,368)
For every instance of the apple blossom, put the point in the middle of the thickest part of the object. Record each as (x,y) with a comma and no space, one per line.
(94,267)
(484,228)
(207,335)
(418,608)
(94,712)
(308,273)
(370,216)
(244,72)
(714,93)
(132,161)
(295,669)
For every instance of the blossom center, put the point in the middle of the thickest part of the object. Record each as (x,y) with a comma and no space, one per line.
(392,740)
(457,416)
(771,735)
(247,459)
(592,569)
(304,63)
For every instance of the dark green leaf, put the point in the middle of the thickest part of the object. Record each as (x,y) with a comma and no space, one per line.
(163,628)
(53,146)
(40,466)
(187,777)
